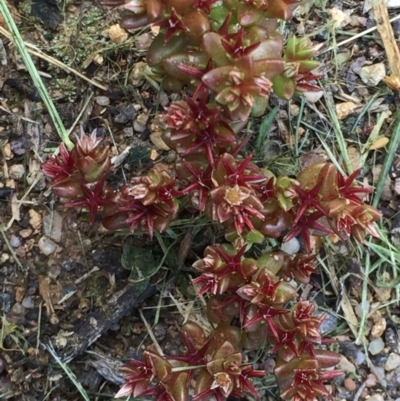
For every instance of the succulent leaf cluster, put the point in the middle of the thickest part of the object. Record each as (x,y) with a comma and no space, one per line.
(230,57)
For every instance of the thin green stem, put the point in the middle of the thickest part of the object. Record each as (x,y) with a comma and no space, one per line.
(393,146)
(19,43)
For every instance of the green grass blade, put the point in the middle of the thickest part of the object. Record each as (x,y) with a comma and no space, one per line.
(393,146)
(19,43)
(265,127)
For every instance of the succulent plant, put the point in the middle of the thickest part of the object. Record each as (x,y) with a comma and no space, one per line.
(229,57)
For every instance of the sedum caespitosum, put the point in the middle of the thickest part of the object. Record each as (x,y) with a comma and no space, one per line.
(229,58)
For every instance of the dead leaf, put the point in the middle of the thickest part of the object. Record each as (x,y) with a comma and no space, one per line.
(45,293)
(338,18)
(354,156)
(35,219)
(15,208)
(345,109)
(379,143)
(117,34)
(393,81)
(387,194)
(158,142)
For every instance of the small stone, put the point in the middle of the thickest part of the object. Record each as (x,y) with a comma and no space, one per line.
(121,119)
(142,119)
(102,100)
(17,309)
(68,265)
(47,246)
(21,252)
(294,110)
(128,132)
(345,365)
(360,358)
(371,380)
(26,232)
(15,242)
(52,226)
(137,127)
(349,384)
(328,324)
(154,154)
(4,257)
(360,308)
(129,112)
(16,171)
(160,332)
(376,346)
(54,272)
(313,97)
(371,75)
(291,247)
(28,303)
(392,362)
(376,397)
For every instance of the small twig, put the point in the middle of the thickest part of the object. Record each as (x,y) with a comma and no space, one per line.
(357,395)
(393,146)
(11,249)
(151,334)
(38,53)
(359,35)
(18,41)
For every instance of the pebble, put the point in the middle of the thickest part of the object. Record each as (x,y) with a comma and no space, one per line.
(137,127)
(15,242)
(128,132)
(345,365)
(102,100)
(121,119)
(54,272)
(376,397)
(360,358)
(160,332)
(328,324)
(291,247)
(26,232)
(68,265)
(4,257)
(371,75)
(16,171)
(52,226)
(376,346)
(359,309)
(313,97)
(392,362)
(47,246)
(5,301)
(17,309)
(28,303)
(349,384)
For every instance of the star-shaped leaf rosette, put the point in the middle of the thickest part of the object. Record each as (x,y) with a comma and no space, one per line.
(329,203)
